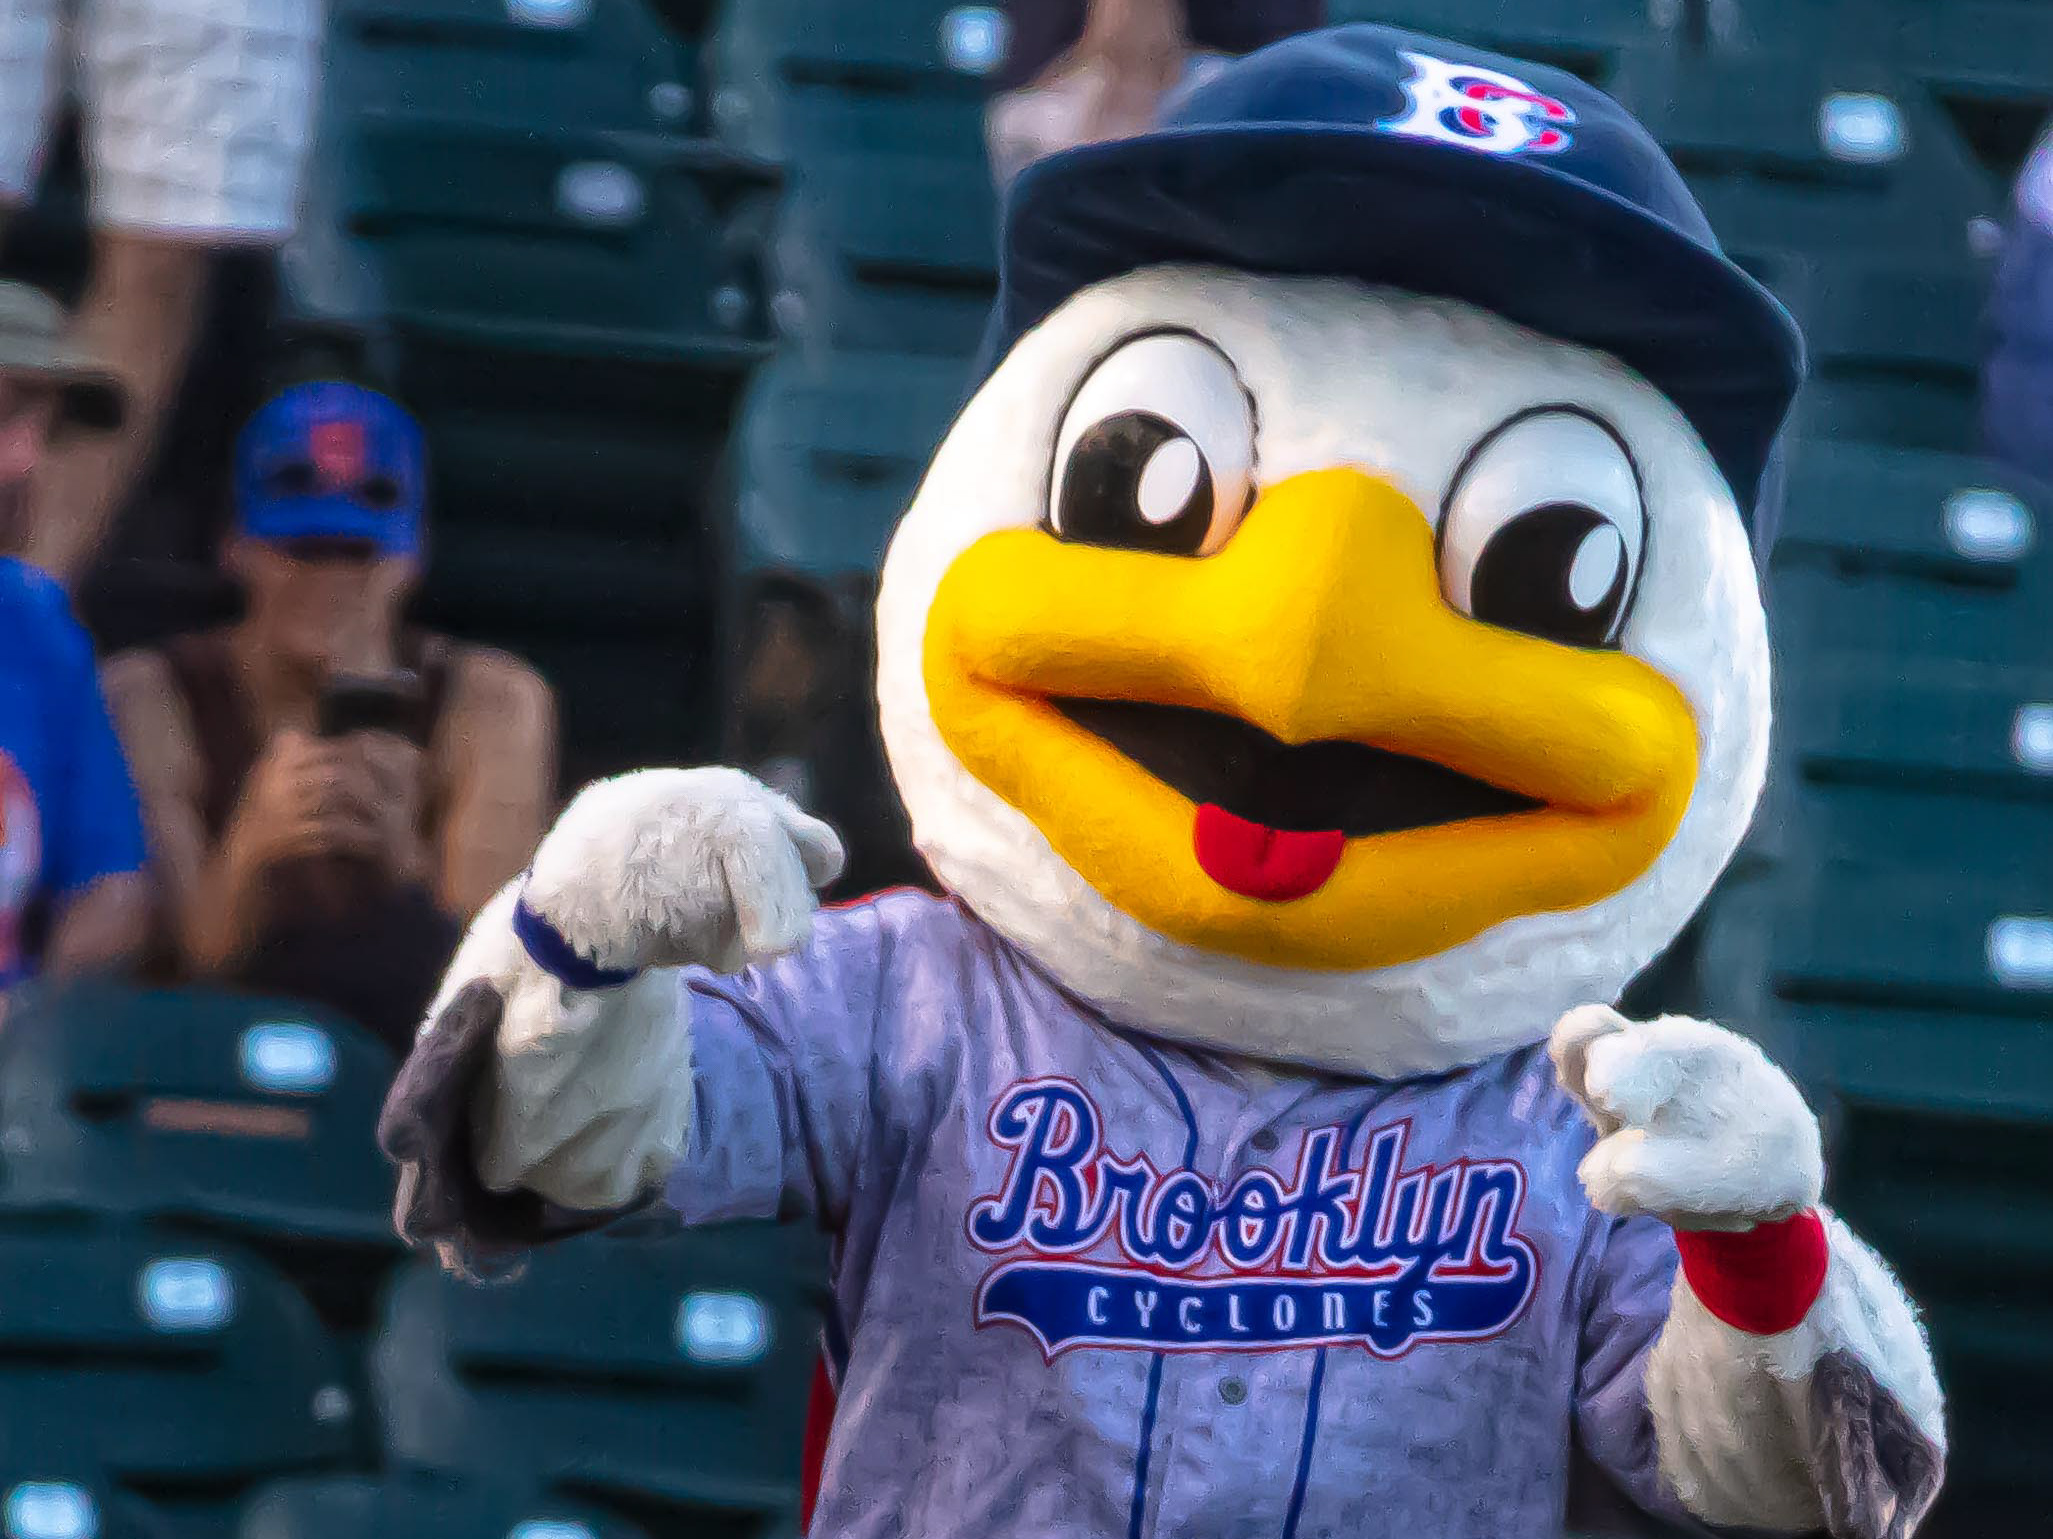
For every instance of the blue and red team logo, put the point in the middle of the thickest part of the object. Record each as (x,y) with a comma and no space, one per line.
(337,450)
(1479,109)
(1106,1251)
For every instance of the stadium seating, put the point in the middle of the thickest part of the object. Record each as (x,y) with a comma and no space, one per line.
(546,63)
(664,1370)
(768,52)
(418,1507)
(1955,1200)
(245,1116)
(527,177)
(59,1496)
(517,216)
(185,1370)
(1582,38)
(1919,513)
(830,455)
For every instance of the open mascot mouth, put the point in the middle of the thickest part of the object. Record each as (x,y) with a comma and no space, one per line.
(1273,818)
(1295,750)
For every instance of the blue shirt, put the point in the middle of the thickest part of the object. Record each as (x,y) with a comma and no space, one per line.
(68,811)
(1087,1283)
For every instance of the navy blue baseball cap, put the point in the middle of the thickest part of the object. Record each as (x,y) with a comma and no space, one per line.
(1371,153)
(332,461)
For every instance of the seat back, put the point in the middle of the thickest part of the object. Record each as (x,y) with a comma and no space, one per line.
(251,1114)
(169,1362)
(671,1369)
(57,1496)
(830,457)
(1943,517)
(419,1506)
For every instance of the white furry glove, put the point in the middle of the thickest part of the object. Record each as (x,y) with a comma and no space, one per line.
(1790,1387)
(676,867)
(589,1098)
(1695,1126)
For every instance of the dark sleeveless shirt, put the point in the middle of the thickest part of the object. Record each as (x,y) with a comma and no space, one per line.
(339,934)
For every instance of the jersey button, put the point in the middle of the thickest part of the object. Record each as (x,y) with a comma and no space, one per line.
(1265,1140)
(1233,1391)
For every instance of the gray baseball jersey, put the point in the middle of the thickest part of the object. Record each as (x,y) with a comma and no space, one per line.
(1087,1283)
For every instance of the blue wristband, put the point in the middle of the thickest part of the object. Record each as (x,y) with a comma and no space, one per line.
(548,950)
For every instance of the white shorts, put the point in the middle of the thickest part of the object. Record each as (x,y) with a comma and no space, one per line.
(197,112)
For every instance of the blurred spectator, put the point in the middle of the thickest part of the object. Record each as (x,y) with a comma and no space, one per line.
(196,121)
(329,792)
(1078,71)
(2017,374)
(71,843)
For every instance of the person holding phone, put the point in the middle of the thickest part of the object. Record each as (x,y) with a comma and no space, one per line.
(330,792)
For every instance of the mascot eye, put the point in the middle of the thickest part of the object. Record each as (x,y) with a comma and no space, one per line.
(1156,451)
(1544,529)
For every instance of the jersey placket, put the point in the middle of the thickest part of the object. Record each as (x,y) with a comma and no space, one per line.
(1226,1419)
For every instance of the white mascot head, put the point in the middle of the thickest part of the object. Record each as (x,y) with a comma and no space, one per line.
(1331,632)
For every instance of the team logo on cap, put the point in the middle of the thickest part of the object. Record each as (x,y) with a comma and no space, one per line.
(337,450)
(1479,109)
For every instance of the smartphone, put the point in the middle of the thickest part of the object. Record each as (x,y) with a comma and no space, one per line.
(380,702)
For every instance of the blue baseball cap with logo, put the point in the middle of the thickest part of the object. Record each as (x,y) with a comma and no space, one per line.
(1371,153)
(332,461)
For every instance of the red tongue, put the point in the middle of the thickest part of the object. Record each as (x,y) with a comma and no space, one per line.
(1257,861)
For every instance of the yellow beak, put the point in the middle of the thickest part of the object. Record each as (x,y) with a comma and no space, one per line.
(1320,621)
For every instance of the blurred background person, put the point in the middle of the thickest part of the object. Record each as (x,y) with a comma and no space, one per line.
(72,898)
(331,793)
(1078,71)
(196,120)
(2017,371)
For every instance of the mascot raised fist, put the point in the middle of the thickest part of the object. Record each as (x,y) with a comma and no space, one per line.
(1323,664)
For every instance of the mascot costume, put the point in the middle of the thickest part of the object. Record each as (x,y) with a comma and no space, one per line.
(1323,663)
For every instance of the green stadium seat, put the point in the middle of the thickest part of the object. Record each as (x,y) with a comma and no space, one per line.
(669,1369)
(1928,768)
(829,458)
(1996,47)
(1963,728)
(769,56)
(1949,517)
(1958,1203)
(889,250)
(1816,613)
(1813,153)
(1979,940)
(1895,357)
(909,43)
(835,121)
(821,306)
(183,1368)
(593,245)
(1574,35)
(1928,990)
(246,1113)
(522,177)
(546,64)
(67,1496)
(418,1506)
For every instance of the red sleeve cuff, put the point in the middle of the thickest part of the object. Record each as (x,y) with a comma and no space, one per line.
(1764,1279)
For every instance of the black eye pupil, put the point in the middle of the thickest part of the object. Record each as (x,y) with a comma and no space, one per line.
(1137,481)
(1558,571)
